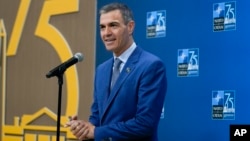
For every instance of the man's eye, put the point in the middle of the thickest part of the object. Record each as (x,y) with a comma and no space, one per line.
(102,27)
(113,25)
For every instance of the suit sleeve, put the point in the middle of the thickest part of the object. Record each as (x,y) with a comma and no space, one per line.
(94,117)
(151,95)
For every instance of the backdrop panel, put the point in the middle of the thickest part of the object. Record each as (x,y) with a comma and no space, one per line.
(205,47)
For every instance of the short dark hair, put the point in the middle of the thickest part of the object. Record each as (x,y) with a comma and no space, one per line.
(126,12)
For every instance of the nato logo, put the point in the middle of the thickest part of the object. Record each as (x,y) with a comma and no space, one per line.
(224,16)
(223,104)
(188,62)
(156,24)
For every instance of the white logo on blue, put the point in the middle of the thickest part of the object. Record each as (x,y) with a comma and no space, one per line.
(188,62)
(156,24)
(224,16)
(223,104)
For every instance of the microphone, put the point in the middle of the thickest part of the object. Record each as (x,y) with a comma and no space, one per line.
(78,57)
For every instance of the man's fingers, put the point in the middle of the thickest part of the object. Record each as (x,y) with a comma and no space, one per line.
(74,125)
(67,125)
(81,129)
(70,118)
(83,134)
(74,117)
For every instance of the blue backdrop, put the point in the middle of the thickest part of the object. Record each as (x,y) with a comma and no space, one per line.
(221,46)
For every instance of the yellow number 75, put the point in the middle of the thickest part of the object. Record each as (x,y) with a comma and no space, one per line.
(49,33)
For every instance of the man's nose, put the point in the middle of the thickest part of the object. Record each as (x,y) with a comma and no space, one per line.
(107,31)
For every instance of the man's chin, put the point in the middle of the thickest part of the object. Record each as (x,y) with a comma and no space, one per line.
(110,48)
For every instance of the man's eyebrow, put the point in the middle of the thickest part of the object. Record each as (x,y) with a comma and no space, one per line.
(111,23)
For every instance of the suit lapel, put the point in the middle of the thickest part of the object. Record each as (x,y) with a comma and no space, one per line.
(106,77)
(126,71)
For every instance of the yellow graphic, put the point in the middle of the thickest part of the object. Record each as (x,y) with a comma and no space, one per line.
(18,27)
(3,38)
(20,131)
(49,33)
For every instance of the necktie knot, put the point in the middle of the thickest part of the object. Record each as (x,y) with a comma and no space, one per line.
(117,64)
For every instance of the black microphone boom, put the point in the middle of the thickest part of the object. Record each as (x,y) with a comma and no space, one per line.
(78,57)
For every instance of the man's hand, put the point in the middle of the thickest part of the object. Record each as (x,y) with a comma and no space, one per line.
(80,128)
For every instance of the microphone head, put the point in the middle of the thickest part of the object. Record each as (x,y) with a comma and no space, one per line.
(79,56)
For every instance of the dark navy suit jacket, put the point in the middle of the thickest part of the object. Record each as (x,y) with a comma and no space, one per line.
(134,105)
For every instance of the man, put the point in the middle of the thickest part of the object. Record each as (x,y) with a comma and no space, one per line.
(130,108)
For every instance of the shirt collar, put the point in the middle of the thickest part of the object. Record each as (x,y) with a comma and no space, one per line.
(125,55)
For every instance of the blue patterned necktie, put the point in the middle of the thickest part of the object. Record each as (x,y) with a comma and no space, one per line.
(116,71)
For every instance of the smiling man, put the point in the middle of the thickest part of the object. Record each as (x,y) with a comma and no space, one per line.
(128,107)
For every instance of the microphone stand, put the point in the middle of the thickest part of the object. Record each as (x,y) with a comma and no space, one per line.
(58,71)
(59,75)
(60,83)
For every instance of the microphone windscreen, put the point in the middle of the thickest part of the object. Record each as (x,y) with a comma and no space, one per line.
(79,56)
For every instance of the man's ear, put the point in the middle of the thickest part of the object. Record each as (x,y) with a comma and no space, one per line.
(131,26)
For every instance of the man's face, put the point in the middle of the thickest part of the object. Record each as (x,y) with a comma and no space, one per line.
(115,35)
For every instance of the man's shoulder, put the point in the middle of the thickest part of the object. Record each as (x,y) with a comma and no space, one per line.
(148,56)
